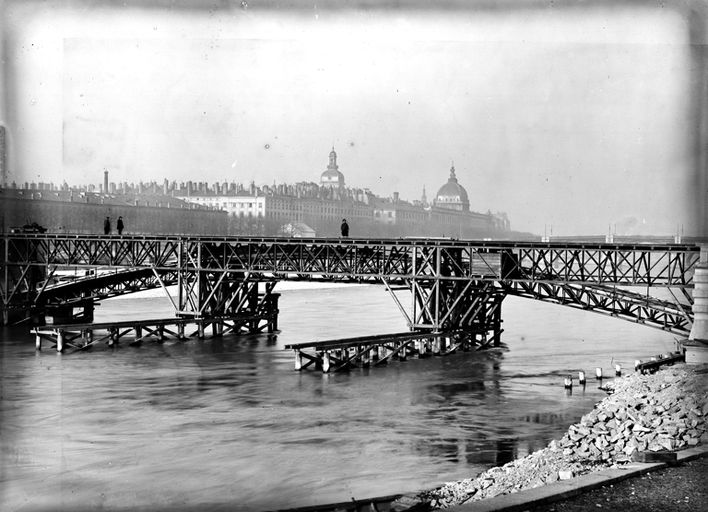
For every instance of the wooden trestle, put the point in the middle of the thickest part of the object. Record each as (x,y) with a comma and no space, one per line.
(346,353)
(82,336)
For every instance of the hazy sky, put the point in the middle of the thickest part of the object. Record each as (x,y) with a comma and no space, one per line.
(572,118)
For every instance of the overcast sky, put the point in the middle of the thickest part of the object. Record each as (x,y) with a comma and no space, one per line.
(568,117)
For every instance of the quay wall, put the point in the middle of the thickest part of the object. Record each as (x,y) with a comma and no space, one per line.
(75,217)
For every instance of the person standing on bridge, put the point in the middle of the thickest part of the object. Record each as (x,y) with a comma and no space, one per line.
(345,228)
(119,225)
(107,226)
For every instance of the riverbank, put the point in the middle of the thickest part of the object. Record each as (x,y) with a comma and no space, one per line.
(644,414)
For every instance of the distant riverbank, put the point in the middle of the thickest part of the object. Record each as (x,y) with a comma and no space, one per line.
(667,410)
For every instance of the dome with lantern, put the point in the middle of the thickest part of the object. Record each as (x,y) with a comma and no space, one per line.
(332,177)
(452,195)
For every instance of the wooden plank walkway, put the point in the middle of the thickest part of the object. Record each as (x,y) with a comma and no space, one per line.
(84,335)
(345,353)
(657,361)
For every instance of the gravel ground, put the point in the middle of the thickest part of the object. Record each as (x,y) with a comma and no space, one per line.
(665,411)
(679,488)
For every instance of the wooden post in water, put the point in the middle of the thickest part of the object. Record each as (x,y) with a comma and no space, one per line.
(60,340)
(436,344)
(365,356)
(38,341)
(298,360)
(326,363)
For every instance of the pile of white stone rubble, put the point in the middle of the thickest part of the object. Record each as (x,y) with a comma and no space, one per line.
(664,411)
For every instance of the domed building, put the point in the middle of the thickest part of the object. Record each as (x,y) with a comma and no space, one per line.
(332,177)
(452,195)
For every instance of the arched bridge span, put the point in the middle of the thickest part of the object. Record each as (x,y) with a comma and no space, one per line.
(453,284)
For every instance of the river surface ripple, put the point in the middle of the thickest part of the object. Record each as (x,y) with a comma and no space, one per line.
(228,424)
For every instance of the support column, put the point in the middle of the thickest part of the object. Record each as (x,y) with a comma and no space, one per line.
(326,363)
(697,344)
(496,322)
(404,350)
(60,340)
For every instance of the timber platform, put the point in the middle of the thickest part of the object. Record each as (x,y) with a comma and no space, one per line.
(363,351)
(81,336)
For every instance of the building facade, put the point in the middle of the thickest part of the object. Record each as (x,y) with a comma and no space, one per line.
(320,207)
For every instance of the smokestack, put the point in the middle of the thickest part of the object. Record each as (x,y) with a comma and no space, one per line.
(3,154)
(105,182)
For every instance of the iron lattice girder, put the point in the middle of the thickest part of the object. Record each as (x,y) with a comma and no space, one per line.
(651,266)
(107,285)
(25,257)
(441,305)
(668,316)
(636,264)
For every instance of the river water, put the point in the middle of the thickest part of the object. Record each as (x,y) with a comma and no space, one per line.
(227,423)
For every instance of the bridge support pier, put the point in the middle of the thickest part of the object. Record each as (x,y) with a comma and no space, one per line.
(696,346)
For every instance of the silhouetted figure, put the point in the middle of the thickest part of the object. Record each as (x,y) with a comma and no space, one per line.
(107,226)
(345,228)
(119,225)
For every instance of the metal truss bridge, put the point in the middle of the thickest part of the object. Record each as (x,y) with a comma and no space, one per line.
(453,284)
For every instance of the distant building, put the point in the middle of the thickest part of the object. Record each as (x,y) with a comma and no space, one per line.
(332,177)
(300,209)
(452,195)
(319,208)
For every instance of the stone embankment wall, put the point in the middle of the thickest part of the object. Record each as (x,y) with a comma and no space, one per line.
(664,411)
(74,217)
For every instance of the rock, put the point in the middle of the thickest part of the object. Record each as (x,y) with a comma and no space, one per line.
(565,474)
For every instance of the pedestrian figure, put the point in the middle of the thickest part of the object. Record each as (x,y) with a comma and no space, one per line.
(107,226)
(119,225)
(345,228)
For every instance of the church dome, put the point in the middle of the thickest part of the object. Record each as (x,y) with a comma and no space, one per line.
(332,177)
(452,195)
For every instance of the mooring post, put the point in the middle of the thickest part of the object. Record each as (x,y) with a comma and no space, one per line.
(298,360)
(180,330)
(38,341)
(113,336)
(200,329)
(60,340)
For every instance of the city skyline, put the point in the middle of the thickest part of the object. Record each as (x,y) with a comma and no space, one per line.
(576,120)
